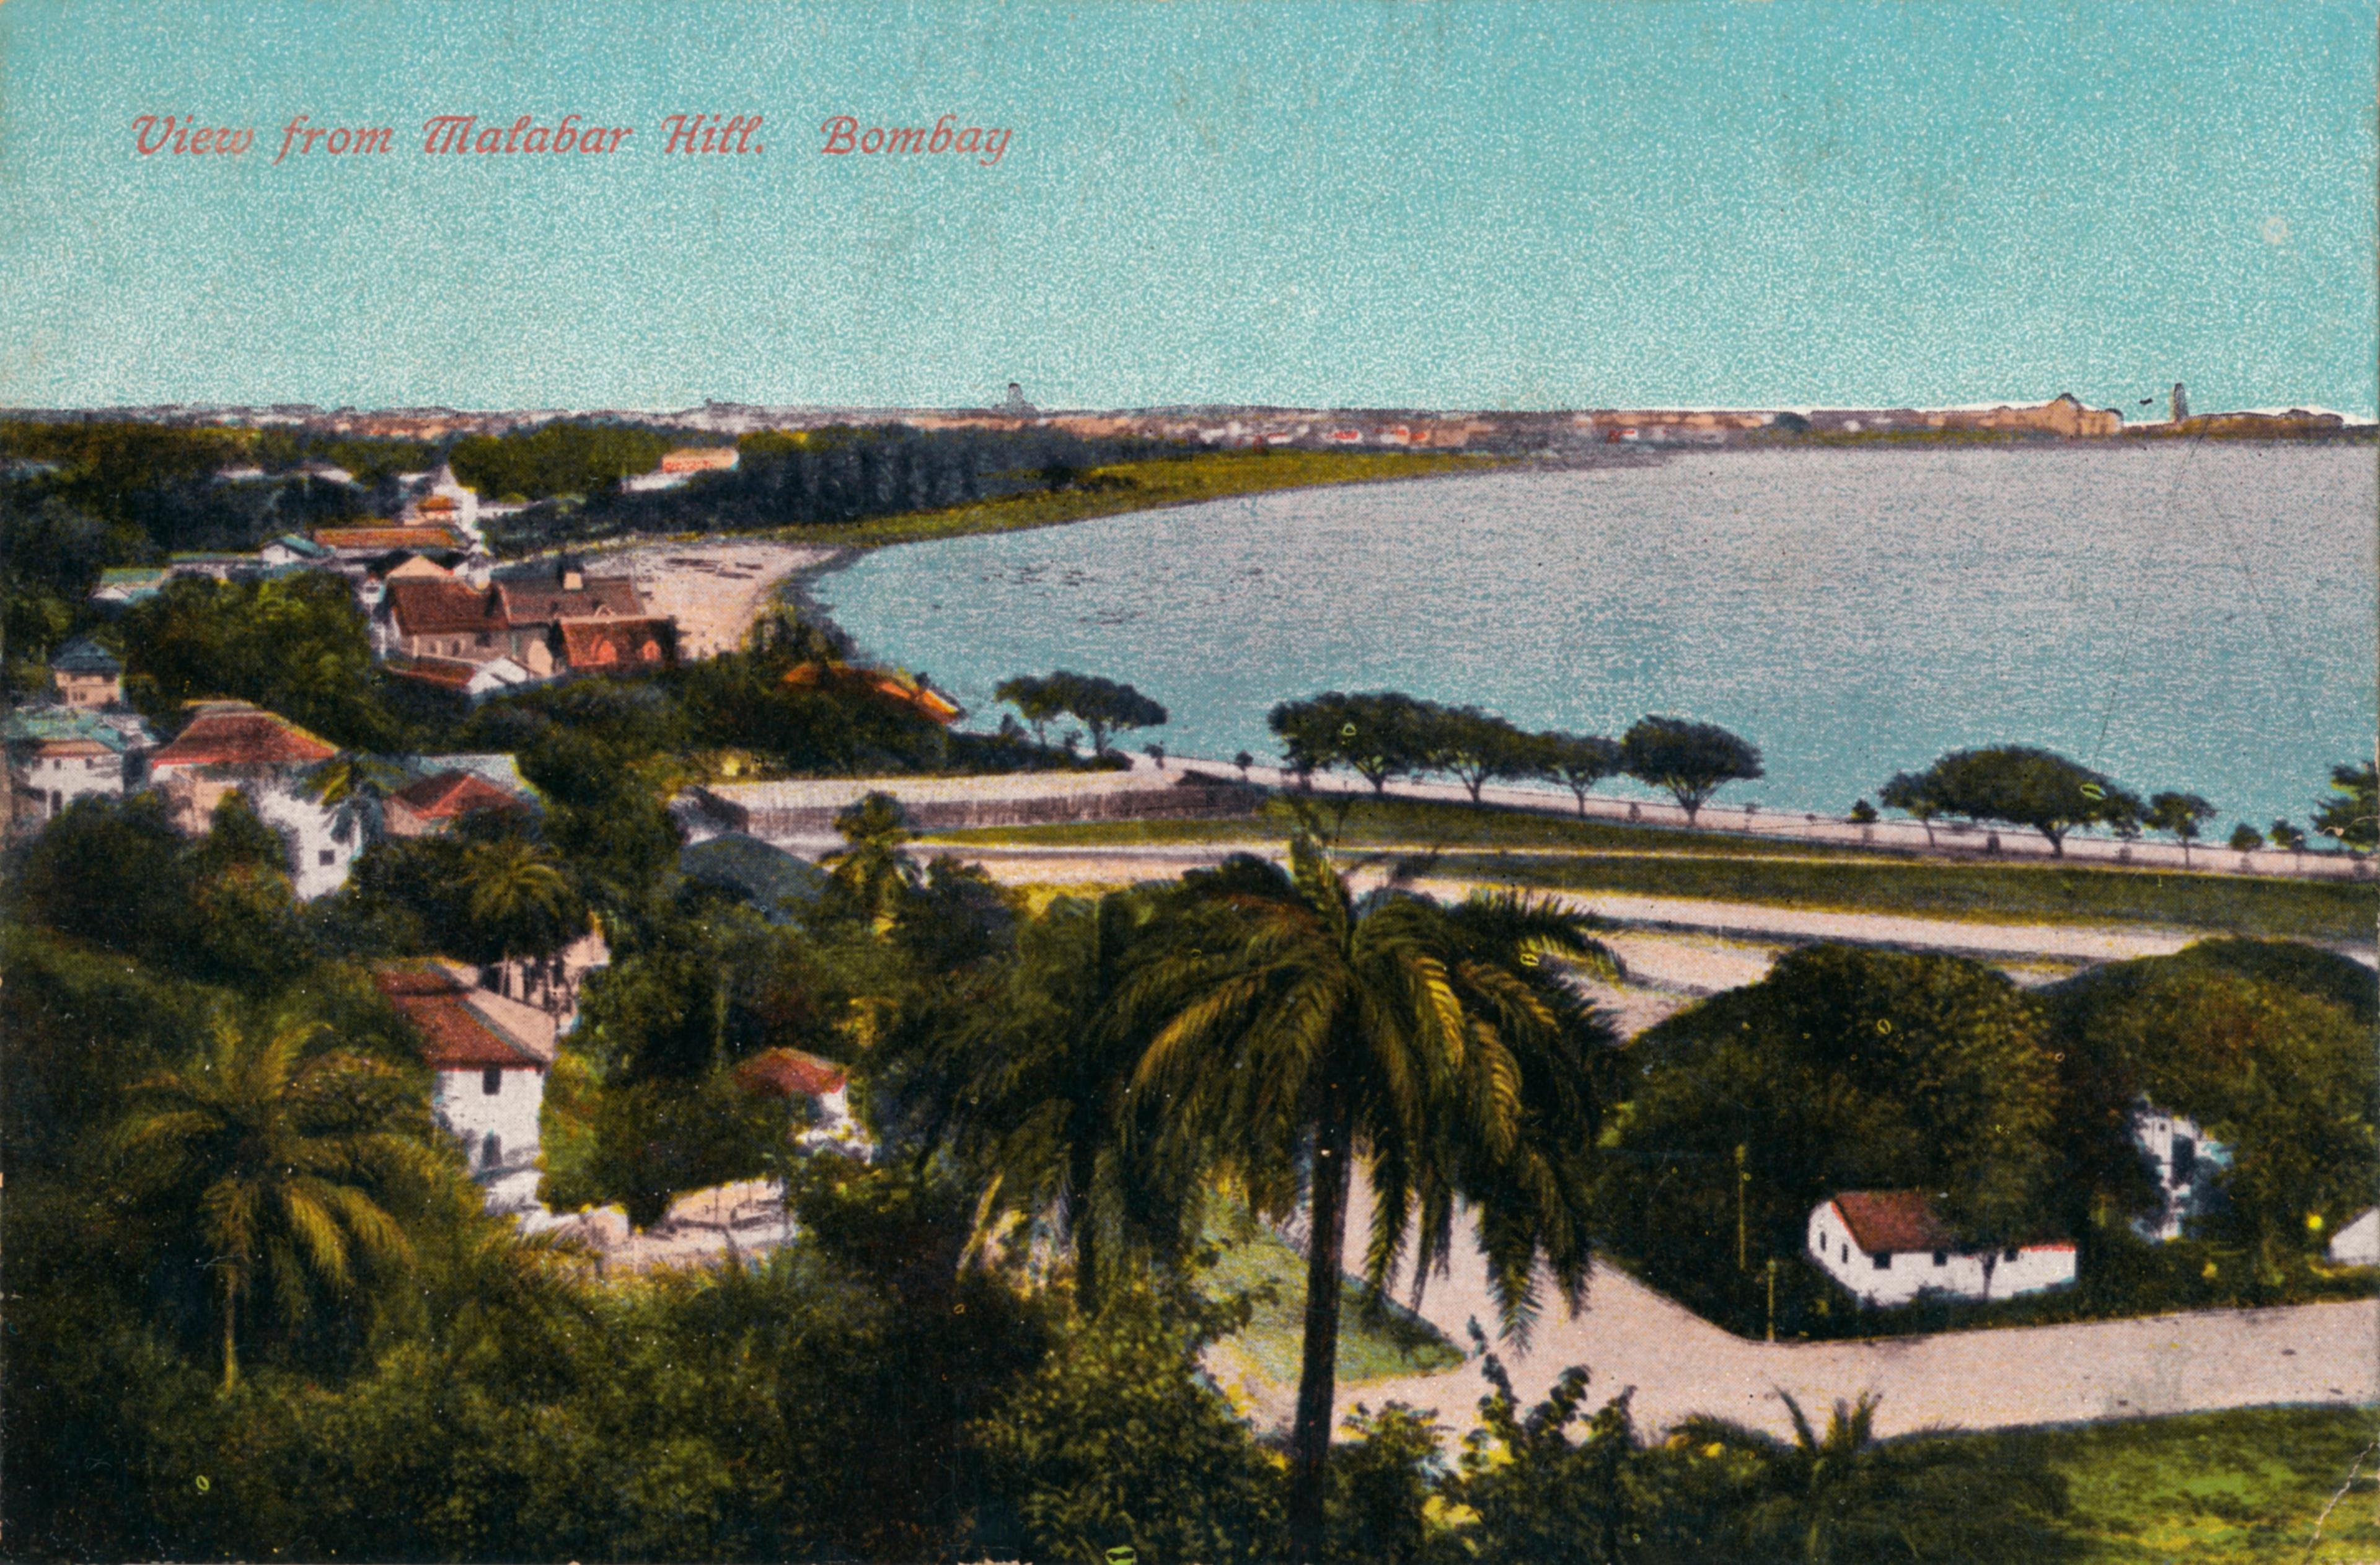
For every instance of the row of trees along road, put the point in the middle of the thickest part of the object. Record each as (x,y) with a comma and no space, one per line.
(1387,734)
(2041,791)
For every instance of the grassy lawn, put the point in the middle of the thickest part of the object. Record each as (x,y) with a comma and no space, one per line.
(1142,486)
(1399,1343)
(1570,854)
(2309,910)
(2243,1486)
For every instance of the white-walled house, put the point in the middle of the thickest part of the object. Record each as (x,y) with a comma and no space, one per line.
(2357,1244)
(1887,1247)
(2182,1161)
(489,1056)
(58,755)
(231,746)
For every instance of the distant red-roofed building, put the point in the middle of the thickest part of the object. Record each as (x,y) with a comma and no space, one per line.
(488,1056)
(431,805)
(699,459)
(1889,1246)
(618,646)
(232,747)
(441,617)
(803,1078)
(365,543)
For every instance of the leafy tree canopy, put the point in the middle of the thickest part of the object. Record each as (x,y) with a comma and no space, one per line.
(1692,760)
(2017,785)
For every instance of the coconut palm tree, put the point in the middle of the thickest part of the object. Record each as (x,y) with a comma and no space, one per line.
(520,896)
(283,1159)
(1304,1028)
(354,788)
(1029,1089)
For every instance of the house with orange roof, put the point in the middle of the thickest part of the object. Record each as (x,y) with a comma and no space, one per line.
(887,685)
(1889,1247)
(819,1090)
(431,805)
(618,646)
(232,746)
(488,1057)
(368,543)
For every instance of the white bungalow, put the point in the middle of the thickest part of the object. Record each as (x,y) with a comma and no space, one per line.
(2357,1244)
(1889,1246)
(2182,1161)
(490,1055)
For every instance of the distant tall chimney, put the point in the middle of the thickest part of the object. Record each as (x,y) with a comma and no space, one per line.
(2181,402)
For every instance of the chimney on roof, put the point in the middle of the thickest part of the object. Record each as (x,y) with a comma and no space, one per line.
(2181,402)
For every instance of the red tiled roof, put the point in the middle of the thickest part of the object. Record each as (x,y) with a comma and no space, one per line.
(447,674)
(437,502)
(387,537)
(447,794)
(230,734)
(789,1073)
(449,1031)
(1889,1221)
(599,644)
(698,458)
(532,602)
(882,683)
(428,606)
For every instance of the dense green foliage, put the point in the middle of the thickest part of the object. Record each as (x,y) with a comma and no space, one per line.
(2018,785)
(810,479)
(1102,706)
(297,646)
(1849,1070)
(559,458)
(1689,760)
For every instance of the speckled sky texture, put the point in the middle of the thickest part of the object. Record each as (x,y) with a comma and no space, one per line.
(1435,205)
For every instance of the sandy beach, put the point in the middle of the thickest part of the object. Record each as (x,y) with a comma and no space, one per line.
(715,591)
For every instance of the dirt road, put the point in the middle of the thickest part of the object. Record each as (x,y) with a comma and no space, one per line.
(1680,1364)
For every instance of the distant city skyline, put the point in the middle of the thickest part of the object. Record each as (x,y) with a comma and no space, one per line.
(1481,206)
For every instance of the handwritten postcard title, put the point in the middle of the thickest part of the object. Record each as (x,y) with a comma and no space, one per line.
(695,135)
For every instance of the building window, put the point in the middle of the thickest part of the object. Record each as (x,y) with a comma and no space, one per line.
(1941,1257)
(1884,1263)
(491,1081)
(326,858)
(492,1152)
(2009,1253)
(2185,1159)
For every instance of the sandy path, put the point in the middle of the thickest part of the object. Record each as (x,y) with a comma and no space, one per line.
(1680,1364)
(714,591)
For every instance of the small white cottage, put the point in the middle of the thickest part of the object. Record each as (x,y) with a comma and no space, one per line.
(1887,1246)
(2182,1161)
(2357,1244)
(490,1055)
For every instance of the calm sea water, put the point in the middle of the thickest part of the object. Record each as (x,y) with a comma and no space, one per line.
(2183,616)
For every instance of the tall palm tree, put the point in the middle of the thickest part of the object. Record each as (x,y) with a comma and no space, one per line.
(1306,1027)
(354,788)
(520,896)
(282,1158)
(1029,1089)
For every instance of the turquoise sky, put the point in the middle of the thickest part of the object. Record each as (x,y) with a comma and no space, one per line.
(1435,205)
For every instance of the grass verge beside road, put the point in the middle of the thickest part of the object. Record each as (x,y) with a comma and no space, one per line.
(1521,847)
(2245,1486)
(1257,1261)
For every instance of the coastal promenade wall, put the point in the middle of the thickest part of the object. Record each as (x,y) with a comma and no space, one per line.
(801,811)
